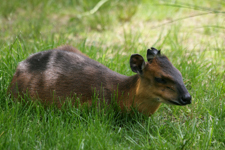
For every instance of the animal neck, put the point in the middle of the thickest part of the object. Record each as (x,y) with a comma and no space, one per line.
(145,100)
(130,94)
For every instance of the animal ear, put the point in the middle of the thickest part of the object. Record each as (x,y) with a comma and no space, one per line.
(137,63)
(151,53)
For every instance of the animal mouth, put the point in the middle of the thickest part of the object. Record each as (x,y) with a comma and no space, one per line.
(172,102)
(175,103)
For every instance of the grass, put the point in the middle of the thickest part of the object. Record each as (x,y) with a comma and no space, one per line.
(109,32)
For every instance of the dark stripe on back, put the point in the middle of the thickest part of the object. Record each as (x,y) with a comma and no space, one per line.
(38,62)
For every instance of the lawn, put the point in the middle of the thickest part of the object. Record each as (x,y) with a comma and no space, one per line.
(190,33)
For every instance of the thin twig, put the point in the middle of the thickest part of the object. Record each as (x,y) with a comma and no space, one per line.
(175,20)
(93,10)
(186,5)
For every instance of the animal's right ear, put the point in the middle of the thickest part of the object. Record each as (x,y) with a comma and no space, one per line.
(137,63)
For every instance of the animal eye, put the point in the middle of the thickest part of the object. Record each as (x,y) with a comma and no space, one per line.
(160,80)
(170,88)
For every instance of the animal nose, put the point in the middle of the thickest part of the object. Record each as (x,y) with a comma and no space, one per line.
(185,99)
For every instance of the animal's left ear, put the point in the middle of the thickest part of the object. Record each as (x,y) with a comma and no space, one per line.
(151,53)
(137,63)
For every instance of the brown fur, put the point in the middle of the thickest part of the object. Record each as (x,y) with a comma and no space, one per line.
(68,72)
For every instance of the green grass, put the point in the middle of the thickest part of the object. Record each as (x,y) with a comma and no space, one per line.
(109,32)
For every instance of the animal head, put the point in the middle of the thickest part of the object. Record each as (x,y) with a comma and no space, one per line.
(160,80)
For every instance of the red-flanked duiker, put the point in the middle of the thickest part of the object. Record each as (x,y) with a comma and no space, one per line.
(51,76)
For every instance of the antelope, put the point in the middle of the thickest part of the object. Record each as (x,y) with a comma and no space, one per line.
(52,76)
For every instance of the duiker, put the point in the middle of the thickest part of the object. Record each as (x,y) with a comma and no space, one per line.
(51,76)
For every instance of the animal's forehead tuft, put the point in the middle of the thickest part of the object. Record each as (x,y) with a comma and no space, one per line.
(167,67)
(163,61)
